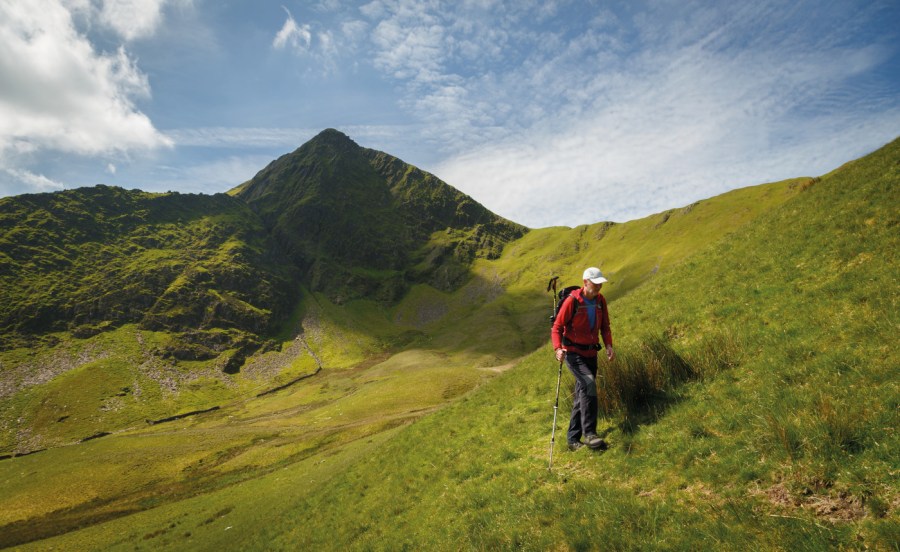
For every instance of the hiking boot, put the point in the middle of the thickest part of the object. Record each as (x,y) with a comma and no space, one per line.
(594,441)
(575,445)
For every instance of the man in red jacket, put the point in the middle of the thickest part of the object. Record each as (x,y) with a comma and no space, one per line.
(583,317)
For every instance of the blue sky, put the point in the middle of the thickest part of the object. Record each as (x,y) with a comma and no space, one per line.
(547,112)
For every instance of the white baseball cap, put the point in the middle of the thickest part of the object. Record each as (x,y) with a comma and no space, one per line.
(594,275)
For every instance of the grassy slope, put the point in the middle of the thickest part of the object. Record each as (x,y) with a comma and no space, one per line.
(111,382)
(791,444)
(457,479)
(630,255)
(438,366)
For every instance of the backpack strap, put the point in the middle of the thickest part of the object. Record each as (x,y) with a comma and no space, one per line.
(574,310)
(600,304)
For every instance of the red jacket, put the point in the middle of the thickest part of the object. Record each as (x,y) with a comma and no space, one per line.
(578,330)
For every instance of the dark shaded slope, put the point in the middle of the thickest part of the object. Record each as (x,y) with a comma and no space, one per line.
(358,222)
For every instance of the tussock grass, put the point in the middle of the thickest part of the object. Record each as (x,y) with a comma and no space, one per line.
(639,379)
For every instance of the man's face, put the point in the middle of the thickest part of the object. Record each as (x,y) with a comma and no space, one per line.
(591,289)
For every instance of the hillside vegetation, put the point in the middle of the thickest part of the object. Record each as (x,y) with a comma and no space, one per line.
(89,260)
(753,405)
(359,223)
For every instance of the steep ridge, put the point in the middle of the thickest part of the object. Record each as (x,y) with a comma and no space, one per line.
(359,223)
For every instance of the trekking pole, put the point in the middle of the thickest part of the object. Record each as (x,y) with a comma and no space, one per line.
(552,285)
(555,408)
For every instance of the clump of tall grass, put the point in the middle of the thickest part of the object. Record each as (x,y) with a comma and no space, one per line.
(645,376)
(641,377)
(786,434)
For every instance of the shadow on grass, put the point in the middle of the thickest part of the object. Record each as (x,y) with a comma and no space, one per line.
(641,384)
(646,414)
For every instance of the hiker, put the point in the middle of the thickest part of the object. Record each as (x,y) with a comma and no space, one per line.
(583,317)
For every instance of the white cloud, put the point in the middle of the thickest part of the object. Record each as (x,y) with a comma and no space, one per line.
(321,46)
(373,10)
(292,35)
(22,180)
(691,128)
(58,93)
(132,19)
(129,19)
(329,48)
(411,43)
(329,5)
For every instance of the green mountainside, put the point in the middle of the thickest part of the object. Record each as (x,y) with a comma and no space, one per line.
(92,259)
(334,390)
(360,223)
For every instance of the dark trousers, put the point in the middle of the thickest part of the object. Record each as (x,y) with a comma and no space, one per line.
(584,405)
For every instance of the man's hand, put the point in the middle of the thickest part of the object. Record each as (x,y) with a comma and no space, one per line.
(560,354)
(610,353)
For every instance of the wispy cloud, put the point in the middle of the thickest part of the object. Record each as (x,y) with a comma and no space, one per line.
(632,112)
(355,30)
(685,127)
(30,181)
(293,36)
(226,137)
(311,41)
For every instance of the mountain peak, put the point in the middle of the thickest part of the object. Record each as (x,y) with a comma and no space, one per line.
(333,136)
(329,140)
(333,204)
